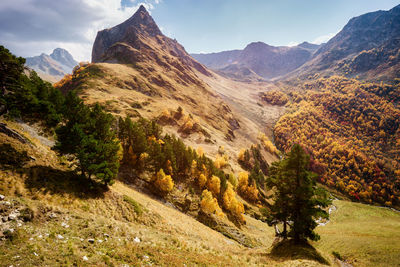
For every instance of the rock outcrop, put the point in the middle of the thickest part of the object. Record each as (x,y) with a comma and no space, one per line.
(139,39)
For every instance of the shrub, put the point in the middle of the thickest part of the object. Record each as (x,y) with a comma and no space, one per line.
(275,98)
(220,162)
(249,192)
(202,180)
(232,204)
(243,178)
(209,204)
(268,145)
(136,206)
(163,183)
(233,180)
(214,184)
(241,154)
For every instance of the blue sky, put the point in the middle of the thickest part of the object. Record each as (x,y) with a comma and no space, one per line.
(31,27)
(216,25)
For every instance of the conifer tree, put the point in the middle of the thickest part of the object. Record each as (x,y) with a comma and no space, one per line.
(297,201)
(87,134)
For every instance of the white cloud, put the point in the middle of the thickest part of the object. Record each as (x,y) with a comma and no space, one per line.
(293,43)
(30,27)
(323,38)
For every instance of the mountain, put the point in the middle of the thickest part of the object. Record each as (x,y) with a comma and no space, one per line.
(258,58)
(65,59)
(367,46)
(139,39)
(137,71)
(54,66)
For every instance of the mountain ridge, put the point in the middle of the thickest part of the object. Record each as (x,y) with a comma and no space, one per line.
(264,60)
(366,40)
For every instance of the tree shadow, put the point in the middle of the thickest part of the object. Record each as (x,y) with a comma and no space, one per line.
(290,250)
(60,182)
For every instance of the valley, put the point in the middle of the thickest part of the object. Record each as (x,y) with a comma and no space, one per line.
(151,156)
(105,228)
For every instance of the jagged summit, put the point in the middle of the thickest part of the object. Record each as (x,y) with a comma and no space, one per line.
(64,57)
(141,23)
(139,40)
(142,19)
(54,66)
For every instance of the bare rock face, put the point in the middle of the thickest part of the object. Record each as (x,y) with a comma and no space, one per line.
(127,32)
(139,39)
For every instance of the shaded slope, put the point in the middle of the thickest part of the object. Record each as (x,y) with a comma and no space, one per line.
(367,46)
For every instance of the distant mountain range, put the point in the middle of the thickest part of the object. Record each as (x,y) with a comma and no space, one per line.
(54,66)
(258,60)
(368,47)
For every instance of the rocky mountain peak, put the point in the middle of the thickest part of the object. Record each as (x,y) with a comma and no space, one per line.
(64,57)
(128,32)
(52,67)
(143,21)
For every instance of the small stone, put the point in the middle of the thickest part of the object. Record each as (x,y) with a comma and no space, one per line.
(52,215)
(4,219)
(30,239)
(19,224)
(60,236)
(34,253)
(85,258)
(63,224)
(136,239)
(2,197)
(40,236)
(145,257)
(7,203)
(106,235)
(100,241)
(91,240)
(12,217)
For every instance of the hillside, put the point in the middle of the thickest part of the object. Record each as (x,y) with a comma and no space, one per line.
(139,72)
(366,47)
(258,61)
(150,156)
(351,130)
(57,221)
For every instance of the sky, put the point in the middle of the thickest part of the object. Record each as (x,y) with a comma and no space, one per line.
(32,27)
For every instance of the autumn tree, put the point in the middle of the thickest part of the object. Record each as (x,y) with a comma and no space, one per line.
(163,182)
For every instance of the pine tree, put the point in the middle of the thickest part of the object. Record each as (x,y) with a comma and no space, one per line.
(87,134)
(297,199)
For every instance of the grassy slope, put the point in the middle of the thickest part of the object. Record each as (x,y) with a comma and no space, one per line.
(364,235)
